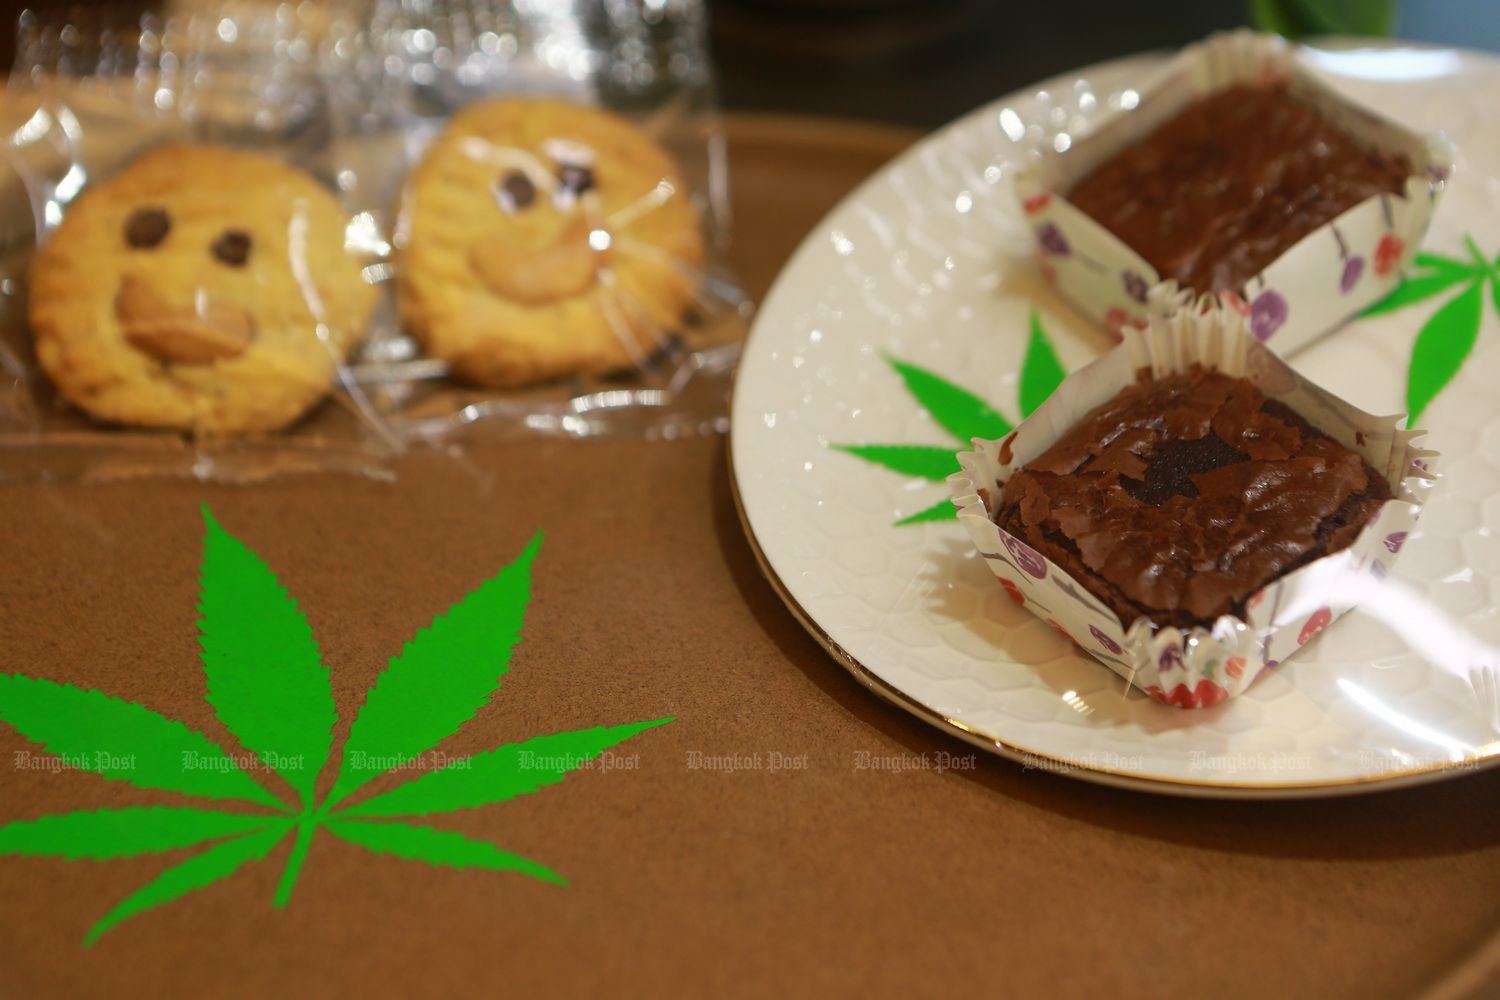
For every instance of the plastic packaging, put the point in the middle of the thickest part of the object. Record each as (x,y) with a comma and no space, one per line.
(548,186)
(188,292)
(1328,276)
(1198,667)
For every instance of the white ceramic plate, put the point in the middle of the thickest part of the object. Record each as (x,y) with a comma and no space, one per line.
(930,263)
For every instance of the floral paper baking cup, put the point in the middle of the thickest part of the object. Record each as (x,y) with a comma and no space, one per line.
(1196,667)
(1319,282)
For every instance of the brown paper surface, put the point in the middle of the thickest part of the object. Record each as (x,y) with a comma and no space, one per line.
(647,602)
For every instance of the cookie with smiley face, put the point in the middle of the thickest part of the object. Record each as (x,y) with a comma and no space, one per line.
(202,288)
(540,239)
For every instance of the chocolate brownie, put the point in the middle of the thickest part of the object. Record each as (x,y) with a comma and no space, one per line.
(1183,495)
(1217,193)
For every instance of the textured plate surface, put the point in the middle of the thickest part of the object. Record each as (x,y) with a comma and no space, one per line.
(930,262)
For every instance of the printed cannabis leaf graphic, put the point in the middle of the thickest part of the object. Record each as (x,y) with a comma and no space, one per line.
(1445,340)
(962,414)
(269,687)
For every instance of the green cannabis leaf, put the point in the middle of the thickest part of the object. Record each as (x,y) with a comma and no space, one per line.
(266,681)
(269,687)
(1442,346)
(123,741)
(1041,372)
(963,415)
(1303,18)
(437,847)
(498,775)
(124,833)
(1447,338)
(197,872)
(444,675)
(957,411)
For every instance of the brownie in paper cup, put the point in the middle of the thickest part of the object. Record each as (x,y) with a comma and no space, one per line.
(1202,664)
(1315,284)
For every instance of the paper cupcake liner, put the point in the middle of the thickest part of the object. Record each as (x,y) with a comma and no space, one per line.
(1196,667)
(1328,276)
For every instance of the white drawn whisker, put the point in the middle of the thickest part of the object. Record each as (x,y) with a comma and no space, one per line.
(710,292)
(663,192)
(613,302)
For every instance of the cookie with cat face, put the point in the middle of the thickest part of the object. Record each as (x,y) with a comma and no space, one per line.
(540,238)
(203,289)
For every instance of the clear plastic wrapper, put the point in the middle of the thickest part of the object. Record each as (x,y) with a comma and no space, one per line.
(1313,286)
(1197,667)
(183,285)
(547,185)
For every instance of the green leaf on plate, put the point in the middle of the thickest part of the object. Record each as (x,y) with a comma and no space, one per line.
(943,510)
(958,411)
(1441,348)
(1417,288)
(1451,266)
(1041,372)
(928,462)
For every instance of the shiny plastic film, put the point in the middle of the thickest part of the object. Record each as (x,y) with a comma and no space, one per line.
(1201,666)
(183,284)
(547,186)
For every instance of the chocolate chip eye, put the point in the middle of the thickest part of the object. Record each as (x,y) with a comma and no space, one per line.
(515,192)
(575,177)
(147,227)
(232,247)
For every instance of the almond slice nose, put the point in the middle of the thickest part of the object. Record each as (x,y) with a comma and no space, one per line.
(212,333)
(567,268)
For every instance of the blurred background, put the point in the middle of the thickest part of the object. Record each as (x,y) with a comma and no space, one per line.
(925,62)
(921,63)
